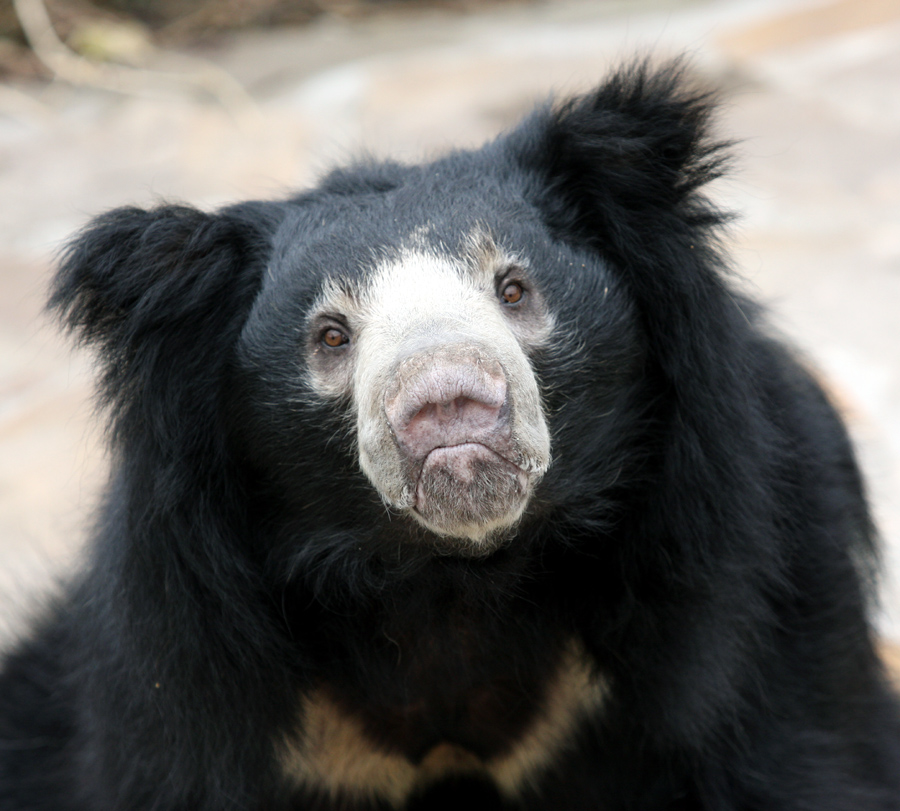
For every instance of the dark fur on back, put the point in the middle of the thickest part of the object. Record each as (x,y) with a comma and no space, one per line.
(702,532)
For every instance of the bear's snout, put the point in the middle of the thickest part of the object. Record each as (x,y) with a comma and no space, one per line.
(445,398)
(449,412)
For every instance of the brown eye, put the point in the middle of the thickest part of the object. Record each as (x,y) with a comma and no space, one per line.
(512,293)
(334,338)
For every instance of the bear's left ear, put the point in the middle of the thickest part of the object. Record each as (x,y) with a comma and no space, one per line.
(162,295)
(621,165)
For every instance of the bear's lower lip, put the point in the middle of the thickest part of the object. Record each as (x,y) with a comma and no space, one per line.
(469,485)
(459,459)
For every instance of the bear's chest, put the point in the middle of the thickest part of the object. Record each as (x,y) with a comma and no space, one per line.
(440,717)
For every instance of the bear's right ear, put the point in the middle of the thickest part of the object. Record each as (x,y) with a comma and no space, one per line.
(619,167)
(162,294)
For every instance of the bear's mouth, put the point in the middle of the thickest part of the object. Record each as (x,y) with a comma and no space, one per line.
(469,490)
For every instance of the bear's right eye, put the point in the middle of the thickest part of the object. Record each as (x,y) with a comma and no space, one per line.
(333,337)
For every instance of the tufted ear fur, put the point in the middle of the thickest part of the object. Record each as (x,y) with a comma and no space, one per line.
(636,148)
(162,295)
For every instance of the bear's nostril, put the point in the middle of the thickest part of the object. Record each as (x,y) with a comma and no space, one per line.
(443,406)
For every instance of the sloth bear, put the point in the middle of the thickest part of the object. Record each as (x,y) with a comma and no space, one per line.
(470,481)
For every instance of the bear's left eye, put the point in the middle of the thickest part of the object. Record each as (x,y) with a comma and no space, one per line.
(333,337)
(512,293)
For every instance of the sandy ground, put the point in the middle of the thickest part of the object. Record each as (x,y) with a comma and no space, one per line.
(813,94)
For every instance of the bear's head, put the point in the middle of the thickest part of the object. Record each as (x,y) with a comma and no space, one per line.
(437,354)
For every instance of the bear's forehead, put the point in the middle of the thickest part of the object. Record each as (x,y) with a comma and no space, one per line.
(437,210)
(355,250)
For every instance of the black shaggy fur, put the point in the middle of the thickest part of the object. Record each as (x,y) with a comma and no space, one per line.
(702,530)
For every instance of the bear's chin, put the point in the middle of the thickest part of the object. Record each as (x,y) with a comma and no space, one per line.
(470,492)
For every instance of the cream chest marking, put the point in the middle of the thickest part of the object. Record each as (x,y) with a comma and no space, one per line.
(334,754)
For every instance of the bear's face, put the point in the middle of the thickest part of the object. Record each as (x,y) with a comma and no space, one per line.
(430,349)
(423,344)
(406,342)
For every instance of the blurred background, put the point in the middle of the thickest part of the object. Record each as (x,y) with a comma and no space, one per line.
(111,102)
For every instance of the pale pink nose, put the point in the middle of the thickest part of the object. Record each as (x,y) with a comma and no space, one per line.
(445,398)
